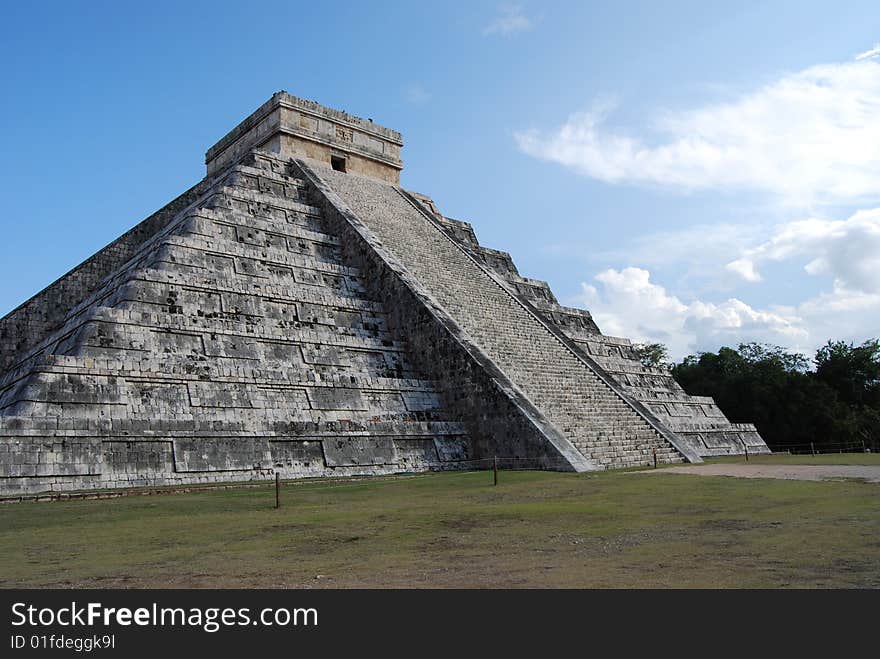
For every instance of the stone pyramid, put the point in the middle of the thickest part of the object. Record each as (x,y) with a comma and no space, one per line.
(296,311)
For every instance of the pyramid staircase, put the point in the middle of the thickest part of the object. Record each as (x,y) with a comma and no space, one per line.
(696,421)
(606,428)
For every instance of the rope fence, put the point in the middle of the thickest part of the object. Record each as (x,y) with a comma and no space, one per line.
(812,448)
(494,464)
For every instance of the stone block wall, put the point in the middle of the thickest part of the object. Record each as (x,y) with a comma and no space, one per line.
(290,126)
(235,342)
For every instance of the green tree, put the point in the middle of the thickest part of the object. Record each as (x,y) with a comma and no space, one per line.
(852,371)
(774,356)
(772,388)
(652,354)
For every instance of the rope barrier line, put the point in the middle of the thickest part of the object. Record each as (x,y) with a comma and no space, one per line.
(327,483)
(301,483)
(818,446)
(825,447)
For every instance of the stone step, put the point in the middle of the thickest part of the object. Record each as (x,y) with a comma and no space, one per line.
(561,385)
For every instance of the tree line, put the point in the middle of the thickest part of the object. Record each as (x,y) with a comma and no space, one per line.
(830,400)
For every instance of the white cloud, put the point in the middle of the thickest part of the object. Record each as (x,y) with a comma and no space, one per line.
(694,252)
(870,54)
(627,303)
(745,269)
(415,94)
(848,251)
(841,314)
(808,137)
(510,21)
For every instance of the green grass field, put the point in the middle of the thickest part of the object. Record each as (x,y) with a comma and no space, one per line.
(536,529)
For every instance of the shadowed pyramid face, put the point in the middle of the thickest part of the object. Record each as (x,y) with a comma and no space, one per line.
(297,312)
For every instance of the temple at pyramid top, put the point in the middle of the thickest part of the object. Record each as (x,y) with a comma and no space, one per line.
(293,127)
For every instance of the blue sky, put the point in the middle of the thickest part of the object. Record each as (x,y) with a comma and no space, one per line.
(695,173)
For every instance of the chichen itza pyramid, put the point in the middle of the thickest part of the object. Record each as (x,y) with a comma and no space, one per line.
(297,311)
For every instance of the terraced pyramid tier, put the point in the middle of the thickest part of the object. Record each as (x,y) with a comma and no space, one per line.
(234,342)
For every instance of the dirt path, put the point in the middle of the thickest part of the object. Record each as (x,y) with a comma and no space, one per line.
(870,473)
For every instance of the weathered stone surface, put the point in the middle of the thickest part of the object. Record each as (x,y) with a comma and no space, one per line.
(282,316)
(287,125)
(591,417)
(236,454)
(355,451)
(695,420)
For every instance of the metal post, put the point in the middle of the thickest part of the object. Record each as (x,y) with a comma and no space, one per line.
(654,451)
(277,490)
(495,470)
(746,446)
